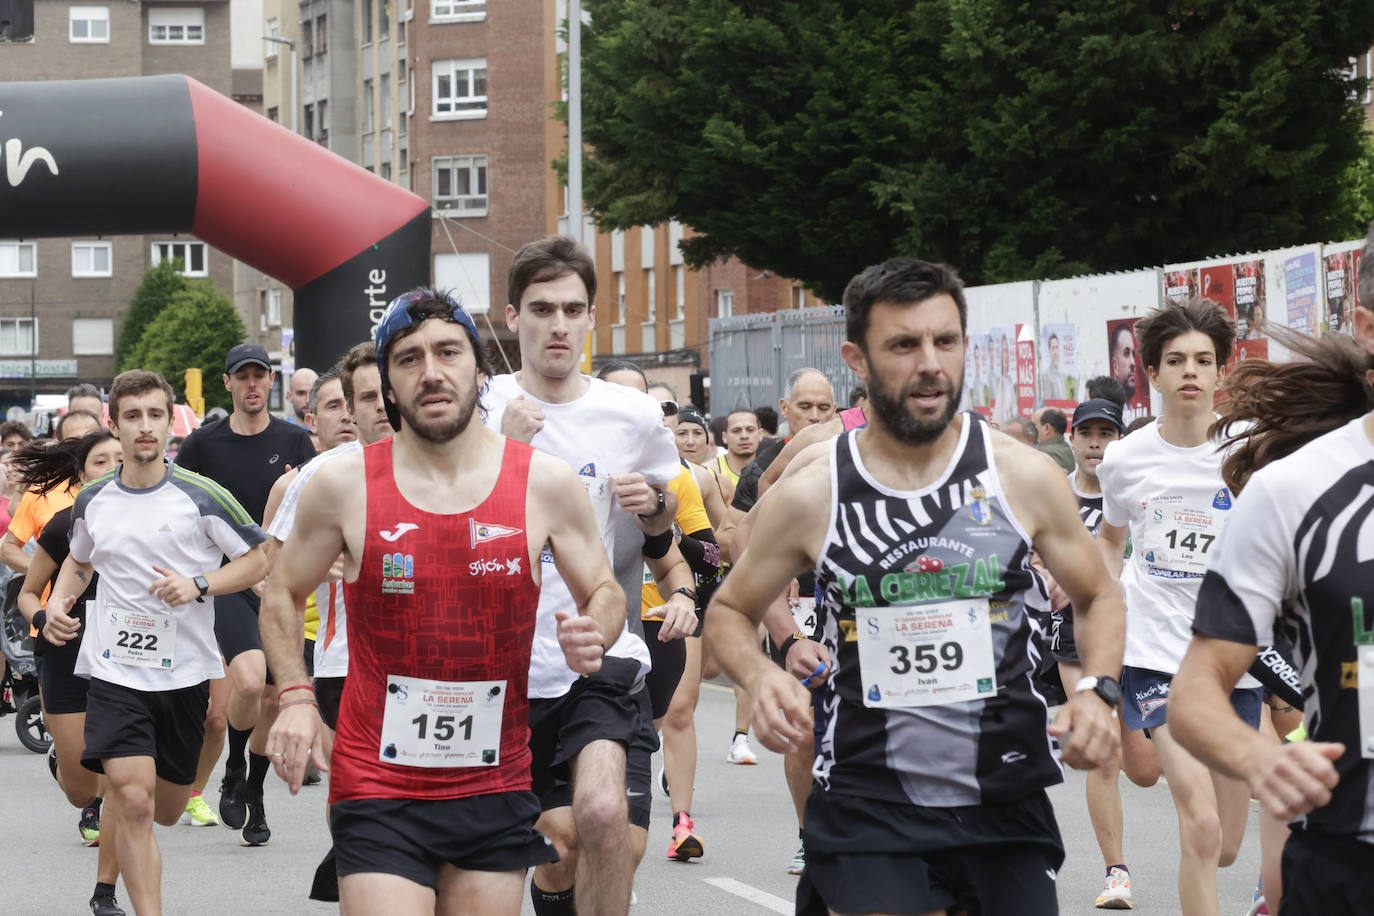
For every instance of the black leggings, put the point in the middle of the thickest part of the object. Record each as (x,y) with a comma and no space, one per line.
(669,661)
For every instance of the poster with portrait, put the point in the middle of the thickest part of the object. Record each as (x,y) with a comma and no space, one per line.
(1300,292)
(1341,263)
(1002,374)
(1059,365)
(976,390)
(1237,286)
(1125,365)
(1250,306)
(1025,370)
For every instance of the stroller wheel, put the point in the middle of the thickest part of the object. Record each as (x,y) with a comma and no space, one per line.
(33,734)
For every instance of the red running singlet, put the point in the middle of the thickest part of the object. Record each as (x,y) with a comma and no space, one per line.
(444,600)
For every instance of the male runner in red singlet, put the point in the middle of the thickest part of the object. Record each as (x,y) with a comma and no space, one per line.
(431,803)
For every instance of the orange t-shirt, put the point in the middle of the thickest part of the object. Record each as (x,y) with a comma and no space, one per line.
(34,512)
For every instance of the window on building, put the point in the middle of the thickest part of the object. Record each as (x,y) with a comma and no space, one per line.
(384,170)
(176,26)
(368,106)
(269,51)
(322,120)
(460,184)
(460,88)
(321,34)
(274,308)
(680,281)
(366,8)
(91,259)
(798,296)
(191,254)
(620,298)
(18,337)
(89,25)
(725,303)
(18,259)
(384,20)
(92,336)
(307,40)
(651,283)
(457,10)
(308,122)
(384,102)
(273,114)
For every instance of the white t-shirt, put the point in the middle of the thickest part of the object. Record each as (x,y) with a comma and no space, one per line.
(609,430)
(331,637)
(185,523)
(1176,506)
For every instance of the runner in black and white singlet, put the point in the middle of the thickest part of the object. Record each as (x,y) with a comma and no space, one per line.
(931,775)
(1296,562)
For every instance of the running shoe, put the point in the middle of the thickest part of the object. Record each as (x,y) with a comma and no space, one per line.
(1116,891)
(105,904)
(685,845)
(740,752)
(198,813)
(52,761)
(255,829)
(232,790)
(798,863)
(1257,906)
(89,825)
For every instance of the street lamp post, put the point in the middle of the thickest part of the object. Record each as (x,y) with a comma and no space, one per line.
(290,43)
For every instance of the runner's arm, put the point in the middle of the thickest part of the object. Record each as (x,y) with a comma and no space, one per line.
(671,573)
(1111,544)
(40,572)
(274,499)
(306,556)
(782,707)
(821,432)
(71,584)
(578,554)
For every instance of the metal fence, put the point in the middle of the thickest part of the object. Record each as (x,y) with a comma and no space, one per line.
(752,355)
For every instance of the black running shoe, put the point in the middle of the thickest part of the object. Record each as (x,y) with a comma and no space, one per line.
(105,905)
(232,792)
(255,831)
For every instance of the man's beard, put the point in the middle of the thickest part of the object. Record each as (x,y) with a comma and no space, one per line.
(890,408)
(440,430)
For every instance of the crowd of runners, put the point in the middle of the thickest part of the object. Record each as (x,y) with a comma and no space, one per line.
(478,603)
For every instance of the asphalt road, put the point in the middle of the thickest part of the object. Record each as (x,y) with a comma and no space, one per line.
(742,813)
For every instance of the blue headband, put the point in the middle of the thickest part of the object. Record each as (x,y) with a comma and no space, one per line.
(397,318)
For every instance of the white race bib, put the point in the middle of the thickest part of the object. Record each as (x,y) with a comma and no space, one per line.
(926,654)
(146,639)
(442,723)
(1178,542)
(805,616)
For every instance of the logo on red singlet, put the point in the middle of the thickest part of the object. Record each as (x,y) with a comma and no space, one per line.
(398,574)
(401,529)
(484,531)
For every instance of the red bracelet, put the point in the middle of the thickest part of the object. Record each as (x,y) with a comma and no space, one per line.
(297,687)
(299,703)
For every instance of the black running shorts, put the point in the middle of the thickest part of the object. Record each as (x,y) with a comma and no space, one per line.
(1323,875)
(236,625)
(167,725)
(328,693)
(870,856)
(415,838)
(639,777)
(669,661)
(597,706)
(63,692)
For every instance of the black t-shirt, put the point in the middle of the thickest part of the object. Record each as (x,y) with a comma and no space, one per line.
(246,466)
(53,540)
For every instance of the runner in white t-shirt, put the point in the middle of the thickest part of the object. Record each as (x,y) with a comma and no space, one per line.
(156,534)
(583,731)
(1162,487)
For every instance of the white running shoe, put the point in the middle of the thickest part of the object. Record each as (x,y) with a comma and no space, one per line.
(1116,891)
(741,752)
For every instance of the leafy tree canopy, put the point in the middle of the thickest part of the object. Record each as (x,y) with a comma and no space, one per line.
(197,329)
(1012,140)
(155,291)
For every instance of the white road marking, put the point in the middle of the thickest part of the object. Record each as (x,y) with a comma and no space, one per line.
(752,894)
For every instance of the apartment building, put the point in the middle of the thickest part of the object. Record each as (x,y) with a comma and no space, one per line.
(62,300)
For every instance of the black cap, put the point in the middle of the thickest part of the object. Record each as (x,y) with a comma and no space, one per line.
(1099,409)
(244,354)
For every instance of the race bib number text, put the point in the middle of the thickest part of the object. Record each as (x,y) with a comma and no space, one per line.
(145,639)
(926,655)
(442,723)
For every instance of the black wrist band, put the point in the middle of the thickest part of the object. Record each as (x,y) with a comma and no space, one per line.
(787,644)
(40,619)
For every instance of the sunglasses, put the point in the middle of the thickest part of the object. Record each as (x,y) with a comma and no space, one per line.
(669,408)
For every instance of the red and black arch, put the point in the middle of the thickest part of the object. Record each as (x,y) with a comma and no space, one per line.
(164,154)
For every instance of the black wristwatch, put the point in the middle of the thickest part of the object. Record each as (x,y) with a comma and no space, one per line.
(662,504)
(202,585)
(691,595)
(1105,687)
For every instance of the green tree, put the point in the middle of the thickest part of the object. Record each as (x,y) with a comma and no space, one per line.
(1010,139)
(195,330)
(155,291)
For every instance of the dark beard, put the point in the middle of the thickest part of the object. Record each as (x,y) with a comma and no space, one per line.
(440,431)
(891,410)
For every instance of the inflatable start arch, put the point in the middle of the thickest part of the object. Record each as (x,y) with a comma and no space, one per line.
(165,154)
